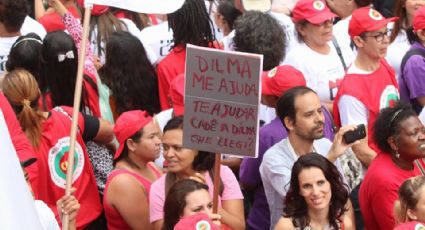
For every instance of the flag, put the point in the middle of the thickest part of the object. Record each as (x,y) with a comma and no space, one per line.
(142,6)
(17,209)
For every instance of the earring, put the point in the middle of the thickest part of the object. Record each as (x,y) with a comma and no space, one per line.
(397,155)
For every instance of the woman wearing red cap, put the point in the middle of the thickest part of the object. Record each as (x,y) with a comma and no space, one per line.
(126,193)
(322,64)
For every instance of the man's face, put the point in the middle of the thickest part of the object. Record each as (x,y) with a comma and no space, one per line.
(309,118)
(339,7)
(375,43)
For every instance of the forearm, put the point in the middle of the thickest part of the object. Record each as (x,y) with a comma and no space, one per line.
(39,9)
(364,153)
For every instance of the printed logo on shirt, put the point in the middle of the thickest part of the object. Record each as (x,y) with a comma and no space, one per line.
(389,97)
(419,227)
(318,5)
(58,162)
(375,15)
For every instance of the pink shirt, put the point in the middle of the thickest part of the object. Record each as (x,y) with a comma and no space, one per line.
(231,191)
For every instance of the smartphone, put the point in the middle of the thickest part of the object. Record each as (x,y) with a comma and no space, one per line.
(354,135)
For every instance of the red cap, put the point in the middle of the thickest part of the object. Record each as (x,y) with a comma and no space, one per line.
(412,225)
(97,9)
(281,78)
(194,222)
(419,19)
(366,19)
(177,94)
(127,124)
(314,11)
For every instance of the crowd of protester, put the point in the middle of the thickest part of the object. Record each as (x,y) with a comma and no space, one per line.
(329,68)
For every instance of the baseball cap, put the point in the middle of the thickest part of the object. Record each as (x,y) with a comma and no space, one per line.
(419,19)
(366,19)
(97,10)
(411,225)
(260,5)
(127,124)
(314,11)
(279,79)
(197,221)
(28,162)
(177,94)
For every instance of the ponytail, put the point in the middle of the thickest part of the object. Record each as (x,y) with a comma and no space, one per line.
(21,90)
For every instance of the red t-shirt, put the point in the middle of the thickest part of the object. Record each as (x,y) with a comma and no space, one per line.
(376,91)
(379,190)
(52,21)
(52,158)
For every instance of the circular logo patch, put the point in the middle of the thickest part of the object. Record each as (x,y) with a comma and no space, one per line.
(272,72)
(203,225)
(318,5)
(58,162)
(389,97)
(375,15)
(419,227)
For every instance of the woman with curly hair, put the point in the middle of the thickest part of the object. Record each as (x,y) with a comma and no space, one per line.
(129,75)
(317,197)
(185,163)
(400,136)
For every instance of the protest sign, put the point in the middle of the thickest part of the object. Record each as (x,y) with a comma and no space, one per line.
(221,101)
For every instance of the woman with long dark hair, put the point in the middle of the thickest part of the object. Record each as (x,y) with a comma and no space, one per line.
(317,196)
(129,75)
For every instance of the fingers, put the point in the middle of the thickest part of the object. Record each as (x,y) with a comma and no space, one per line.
(198,177)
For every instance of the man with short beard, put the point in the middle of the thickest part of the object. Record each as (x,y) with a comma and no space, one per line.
(301,113)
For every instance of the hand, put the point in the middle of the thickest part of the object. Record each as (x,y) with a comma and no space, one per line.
(199,178)
(96,62)
(58,6)
(339,146)
(68,205)
(215,218)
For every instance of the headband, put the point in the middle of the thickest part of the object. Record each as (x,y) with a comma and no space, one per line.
(26,39)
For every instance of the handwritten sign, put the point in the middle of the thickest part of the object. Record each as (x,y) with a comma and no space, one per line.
(222,101)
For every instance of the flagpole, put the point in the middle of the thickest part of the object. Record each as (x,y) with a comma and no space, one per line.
(77,100)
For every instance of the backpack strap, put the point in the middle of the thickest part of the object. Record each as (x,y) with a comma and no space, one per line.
(339,52)
(410,53)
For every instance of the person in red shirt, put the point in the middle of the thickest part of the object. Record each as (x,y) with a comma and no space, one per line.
(48,133)
(49,18)
(190,24)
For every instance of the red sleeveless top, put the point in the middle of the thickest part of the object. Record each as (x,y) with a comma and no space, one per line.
(113,217)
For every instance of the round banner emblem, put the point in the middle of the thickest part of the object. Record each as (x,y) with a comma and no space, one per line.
(272,72)
(203,225)
(318,5)
(58,162)
(375,15)
(389,97)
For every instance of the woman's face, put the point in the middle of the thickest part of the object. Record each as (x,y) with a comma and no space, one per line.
(315,189)
(317,34)
(149,144)
(412,6)
(198,201)
(179,159)
(411,139)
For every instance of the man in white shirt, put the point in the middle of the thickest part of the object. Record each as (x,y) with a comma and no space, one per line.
(301,113)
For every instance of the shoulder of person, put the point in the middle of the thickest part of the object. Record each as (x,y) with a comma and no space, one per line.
(284,223)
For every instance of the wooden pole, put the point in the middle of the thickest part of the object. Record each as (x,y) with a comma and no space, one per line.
(77,100)
(216,181)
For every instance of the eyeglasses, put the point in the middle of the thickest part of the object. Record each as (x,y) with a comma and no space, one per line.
(325,23)
(379,37)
